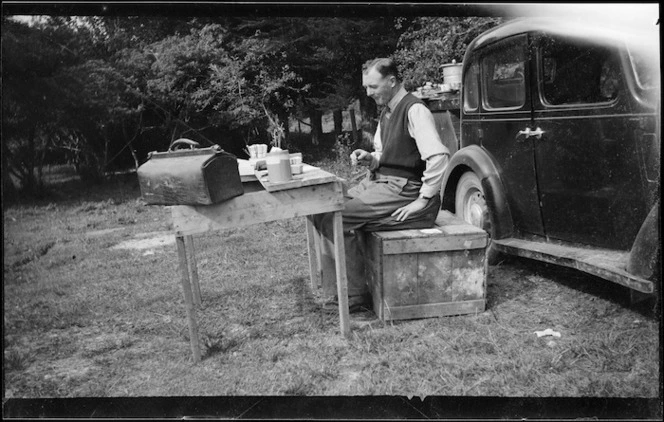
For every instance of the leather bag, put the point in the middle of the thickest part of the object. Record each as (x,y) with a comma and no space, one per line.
(191,176)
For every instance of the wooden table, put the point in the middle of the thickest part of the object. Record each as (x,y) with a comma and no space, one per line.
(314,192)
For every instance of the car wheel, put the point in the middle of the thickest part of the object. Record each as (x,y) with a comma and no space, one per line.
(471,206)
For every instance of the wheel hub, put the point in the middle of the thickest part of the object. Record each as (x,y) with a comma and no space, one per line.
(475,209)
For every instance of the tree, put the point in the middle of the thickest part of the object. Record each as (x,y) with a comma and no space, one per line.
(89,88)
(429,42)
(34,95)
(324,55)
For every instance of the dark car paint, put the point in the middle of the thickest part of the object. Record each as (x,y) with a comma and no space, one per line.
(478,160)
(613,149)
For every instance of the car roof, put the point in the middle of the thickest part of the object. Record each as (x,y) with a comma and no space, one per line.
(603,34)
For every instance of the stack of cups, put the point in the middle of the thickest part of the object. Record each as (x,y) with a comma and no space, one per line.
(262,150)
(296,163)
(253,151)
(257,151)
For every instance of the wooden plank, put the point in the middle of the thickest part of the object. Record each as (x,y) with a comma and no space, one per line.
(436,231)
(607,264)
(192,267)
(399,279)
(451,276)
(342,281)
(466,229)
(263,178)
(257,207)
(433,244)
(309,176)
(431,310)
(373,252)
(313,251)
(188,300)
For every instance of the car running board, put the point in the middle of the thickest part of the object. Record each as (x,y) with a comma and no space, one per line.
(604,263)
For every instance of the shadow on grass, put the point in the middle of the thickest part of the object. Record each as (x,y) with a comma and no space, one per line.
(570,278)
(118,188)
(508,280)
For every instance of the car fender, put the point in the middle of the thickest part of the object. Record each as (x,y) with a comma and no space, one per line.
(645,255)
(476,159)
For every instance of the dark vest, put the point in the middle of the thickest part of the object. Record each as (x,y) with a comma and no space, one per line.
(400,155)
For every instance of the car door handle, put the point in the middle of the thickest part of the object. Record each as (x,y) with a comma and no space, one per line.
(537,133)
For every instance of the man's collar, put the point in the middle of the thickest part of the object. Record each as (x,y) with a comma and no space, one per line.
(397,97)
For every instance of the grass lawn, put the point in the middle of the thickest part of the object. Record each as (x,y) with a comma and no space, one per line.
(93,307)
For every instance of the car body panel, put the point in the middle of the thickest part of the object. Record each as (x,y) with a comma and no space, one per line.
(563,162)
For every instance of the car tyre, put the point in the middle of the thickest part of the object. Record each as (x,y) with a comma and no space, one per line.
(471,206)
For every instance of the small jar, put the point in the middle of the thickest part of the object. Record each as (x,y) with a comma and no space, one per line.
(278,166)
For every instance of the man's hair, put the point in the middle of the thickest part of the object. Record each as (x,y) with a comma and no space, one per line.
(384,65)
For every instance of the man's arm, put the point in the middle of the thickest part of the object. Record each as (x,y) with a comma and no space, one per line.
(422,127)
(369,159)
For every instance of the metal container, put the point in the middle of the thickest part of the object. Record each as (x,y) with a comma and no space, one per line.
(452,74)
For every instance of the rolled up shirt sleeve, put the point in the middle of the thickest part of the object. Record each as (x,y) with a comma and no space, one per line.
(422,127)
(378,150)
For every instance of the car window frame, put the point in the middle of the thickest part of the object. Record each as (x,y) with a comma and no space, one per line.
(517,40)
(616,52)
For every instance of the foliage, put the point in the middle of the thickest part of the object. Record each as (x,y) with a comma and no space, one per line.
(89,89)
(34,96)
(430,42)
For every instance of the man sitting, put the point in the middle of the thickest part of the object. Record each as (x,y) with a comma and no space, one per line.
(402,188)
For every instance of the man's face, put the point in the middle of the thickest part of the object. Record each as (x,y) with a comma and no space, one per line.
(378,87)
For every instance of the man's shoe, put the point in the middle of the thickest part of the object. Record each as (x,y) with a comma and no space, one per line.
(359,303)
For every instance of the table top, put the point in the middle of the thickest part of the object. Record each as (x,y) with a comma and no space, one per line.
(310,176)
(319,192)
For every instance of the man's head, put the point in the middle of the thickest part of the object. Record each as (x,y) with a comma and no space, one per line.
(381,79)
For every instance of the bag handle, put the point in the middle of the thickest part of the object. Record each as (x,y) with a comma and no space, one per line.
(183,141)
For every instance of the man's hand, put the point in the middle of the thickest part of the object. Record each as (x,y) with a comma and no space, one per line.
(404,212)
(361,157)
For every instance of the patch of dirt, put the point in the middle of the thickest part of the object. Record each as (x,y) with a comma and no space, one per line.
(144,241)
(96,233)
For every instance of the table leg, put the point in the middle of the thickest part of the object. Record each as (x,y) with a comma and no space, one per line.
(188,299)
(342,281)
(313,244)
(192,267)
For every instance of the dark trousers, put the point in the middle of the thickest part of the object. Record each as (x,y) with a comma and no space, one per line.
(368,207)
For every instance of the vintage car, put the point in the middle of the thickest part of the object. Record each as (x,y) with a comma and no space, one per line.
(559,147)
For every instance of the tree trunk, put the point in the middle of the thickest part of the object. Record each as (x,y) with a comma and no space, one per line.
(29,182)
(104,164)
(338,122)
(284,118)
(316,117)
(139,130)
(369,114)
(40,161)
(353,126)
(9,191)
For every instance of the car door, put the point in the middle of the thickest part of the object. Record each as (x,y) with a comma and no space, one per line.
(588,177)
(505,114)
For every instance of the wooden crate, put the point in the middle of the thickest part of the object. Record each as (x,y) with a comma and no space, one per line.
(427,273)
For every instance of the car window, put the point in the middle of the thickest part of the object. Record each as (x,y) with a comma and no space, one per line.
(471,92)
(573,72)
(503,82)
